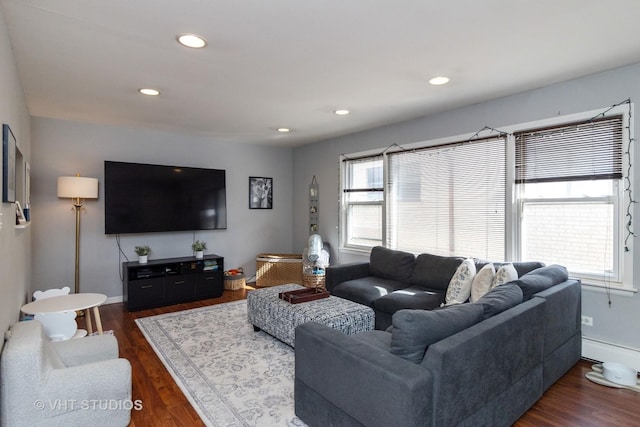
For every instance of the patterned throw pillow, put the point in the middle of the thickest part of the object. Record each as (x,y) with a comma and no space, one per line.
(505,274)
(482,282)
(459,288)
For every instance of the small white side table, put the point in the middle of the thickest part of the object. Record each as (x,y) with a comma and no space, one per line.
(71,302)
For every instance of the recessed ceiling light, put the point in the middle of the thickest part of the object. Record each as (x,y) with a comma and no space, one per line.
(149,91)
(284,130)
(192,40)
(440,80)
(341,112)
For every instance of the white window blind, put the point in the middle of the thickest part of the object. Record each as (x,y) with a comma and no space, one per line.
(449,200)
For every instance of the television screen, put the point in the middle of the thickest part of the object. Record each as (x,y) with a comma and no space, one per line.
(141,198)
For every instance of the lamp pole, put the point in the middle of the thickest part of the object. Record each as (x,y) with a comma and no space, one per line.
(77,206)
(78,189)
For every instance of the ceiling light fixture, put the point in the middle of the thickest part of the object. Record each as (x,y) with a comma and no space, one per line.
(341,112)
(149,91)
(284,130)
(192,40)
(439,80)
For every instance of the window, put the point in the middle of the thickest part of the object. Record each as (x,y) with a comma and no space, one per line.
(569,181)
(449,200)
(553,193)
(363,198)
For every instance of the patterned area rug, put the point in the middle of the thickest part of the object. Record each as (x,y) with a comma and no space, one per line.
(232,375)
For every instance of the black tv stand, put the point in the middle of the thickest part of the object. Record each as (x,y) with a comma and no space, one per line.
(169,281)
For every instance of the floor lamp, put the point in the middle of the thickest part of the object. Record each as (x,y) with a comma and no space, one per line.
(77,188)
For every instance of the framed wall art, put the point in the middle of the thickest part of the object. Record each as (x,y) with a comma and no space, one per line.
(260,193)
(8,165)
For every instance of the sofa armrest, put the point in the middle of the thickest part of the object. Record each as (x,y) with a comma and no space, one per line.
(562,337)
(563,313)
(359,379)
(86,350)
(95,392)
(336,274)
(109,379)
(479,365)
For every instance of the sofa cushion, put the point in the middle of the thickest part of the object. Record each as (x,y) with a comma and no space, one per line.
(434,271)
(521,267)
(504,274)
(367,289)
(415,330)
(482,282)
(378,339)
(500,298)
(459,289)
(411,297)
(391,264)
(541,279)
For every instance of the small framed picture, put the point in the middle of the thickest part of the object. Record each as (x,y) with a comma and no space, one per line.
(260,193)
(20,218)
(8,165)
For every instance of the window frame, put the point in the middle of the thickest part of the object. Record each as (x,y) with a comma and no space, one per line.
(345,204)
(622,279)
(616,277)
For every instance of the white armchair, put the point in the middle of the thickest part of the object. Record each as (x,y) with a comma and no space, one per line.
(64,383)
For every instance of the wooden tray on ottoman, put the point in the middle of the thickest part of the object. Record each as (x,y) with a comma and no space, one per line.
(303,295)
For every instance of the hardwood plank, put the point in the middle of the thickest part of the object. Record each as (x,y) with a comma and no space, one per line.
(571,401)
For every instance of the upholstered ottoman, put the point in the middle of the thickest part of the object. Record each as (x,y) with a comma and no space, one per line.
(279,318)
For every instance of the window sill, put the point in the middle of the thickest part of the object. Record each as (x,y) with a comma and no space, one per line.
(356,251)
(613,290)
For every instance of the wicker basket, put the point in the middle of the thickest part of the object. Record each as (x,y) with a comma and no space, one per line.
(313,281)
(278,269)
(233,283)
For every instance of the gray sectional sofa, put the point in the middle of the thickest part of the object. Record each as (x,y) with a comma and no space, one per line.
(393,280)
(475,364)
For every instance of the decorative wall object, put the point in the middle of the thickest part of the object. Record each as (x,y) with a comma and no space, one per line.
(27,185)
(20,218)
(8,165)
(260,193)
(313,206)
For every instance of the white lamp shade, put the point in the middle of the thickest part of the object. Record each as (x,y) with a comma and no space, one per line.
(78,186)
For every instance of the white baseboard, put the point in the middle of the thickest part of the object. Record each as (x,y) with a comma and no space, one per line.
(113,300)
(608,352)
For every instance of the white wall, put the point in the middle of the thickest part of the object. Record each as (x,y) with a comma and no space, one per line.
(66,148)
(15,245)
(616,324)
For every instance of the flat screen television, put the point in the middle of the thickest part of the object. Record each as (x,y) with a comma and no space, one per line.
(143,198)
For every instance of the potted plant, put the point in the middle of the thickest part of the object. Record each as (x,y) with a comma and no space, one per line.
(199,247)
(143,253)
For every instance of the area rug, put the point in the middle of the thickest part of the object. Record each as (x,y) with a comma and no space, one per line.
(232,375)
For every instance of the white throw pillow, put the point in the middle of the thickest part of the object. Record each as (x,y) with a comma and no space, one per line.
(482,282)
(459,288)
(505,274)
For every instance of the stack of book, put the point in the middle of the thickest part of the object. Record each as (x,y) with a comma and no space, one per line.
(210,265)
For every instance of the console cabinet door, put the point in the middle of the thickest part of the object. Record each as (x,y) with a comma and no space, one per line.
(145,293)
(179,288)
(209,284)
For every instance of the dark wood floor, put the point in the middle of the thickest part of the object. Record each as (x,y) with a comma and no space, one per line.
(572,401)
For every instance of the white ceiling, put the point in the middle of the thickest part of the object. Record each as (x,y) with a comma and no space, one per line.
(291,63)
